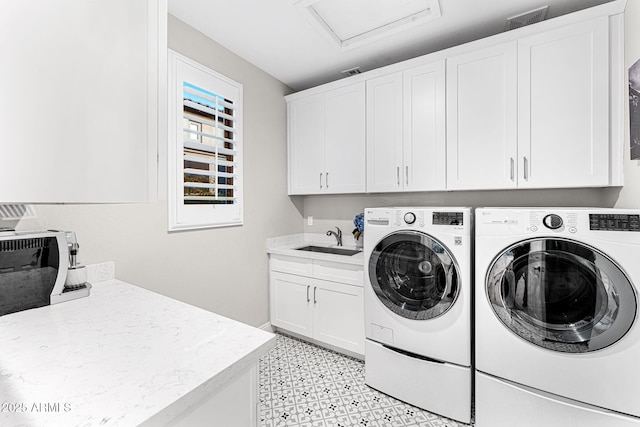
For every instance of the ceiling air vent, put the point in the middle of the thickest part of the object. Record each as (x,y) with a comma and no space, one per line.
(351,72)
(527,18)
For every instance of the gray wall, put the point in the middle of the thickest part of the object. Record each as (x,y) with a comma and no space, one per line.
(225,269)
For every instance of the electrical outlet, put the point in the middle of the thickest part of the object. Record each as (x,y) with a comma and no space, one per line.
(309,220)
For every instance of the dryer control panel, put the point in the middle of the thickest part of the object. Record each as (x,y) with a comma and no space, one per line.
(614,222)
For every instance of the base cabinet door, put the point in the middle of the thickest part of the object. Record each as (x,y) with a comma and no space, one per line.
(291,303)
(338,317)
(320,300)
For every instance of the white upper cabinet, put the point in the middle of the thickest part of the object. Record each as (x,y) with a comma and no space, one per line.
(327,142)
(537,107)
(482,118)
(384,133)
(532,113)
(306,145)
(563,107)
(424,128)
(79,116)
(406,130)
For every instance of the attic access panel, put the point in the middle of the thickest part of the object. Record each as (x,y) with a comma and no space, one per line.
(356,22)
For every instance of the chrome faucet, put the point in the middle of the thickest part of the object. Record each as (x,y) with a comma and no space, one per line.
(337,235)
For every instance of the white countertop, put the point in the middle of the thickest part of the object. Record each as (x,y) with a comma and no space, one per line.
(122,356)
(286,245)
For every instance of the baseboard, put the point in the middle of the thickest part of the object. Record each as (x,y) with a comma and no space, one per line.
(266,327)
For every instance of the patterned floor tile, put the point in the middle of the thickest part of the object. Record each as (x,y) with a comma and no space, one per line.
(304,385)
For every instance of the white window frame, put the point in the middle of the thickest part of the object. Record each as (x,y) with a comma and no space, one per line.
(195,216)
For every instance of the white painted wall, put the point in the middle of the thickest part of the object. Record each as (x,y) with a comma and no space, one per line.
(224,270)
(630,193)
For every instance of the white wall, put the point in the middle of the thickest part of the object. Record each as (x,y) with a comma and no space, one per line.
(630,193)
(223,270)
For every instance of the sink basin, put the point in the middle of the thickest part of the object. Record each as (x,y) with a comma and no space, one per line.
(326,250)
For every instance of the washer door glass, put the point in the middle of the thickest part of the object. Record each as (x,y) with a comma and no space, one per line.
(561,295)
(414,275)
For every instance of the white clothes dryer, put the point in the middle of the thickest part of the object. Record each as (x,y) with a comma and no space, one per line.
(557,341)
(418,307)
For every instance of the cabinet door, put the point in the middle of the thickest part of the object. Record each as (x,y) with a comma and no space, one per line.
(482,118)
(338,315)
(344,139)
(78,111)
(563,107)
(291,302)
(306,145)
(424,142)
(384,133)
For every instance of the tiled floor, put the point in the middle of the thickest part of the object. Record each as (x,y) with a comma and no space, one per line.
(305,385)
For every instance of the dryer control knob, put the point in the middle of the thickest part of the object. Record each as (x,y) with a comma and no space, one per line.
(552,221)
(409,217)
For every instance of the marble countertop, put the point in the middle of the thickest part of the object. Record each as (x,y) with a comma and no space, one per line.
(286,245)
(122,356)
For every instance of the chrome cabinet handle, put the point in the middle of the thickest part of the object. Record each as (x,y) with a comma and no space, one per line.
(320,179)
(326,179)
(314,295)
(406,173)
(308,286)
(512,168)
(526,168)
(398,175)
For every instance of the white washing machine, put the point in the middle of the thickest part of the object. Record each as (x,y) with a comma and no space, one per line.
(418,307)
(557,340)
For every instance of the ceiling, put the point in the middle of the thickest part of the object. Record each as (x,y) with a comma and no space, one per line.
(286,39)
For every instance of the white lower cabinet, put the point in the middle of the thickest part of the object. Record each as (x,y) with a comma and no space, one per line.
(327,311)
(236,404)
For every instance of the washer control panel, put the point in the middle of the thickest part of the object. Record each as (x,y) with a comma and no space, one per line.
(553,221)
(448,218)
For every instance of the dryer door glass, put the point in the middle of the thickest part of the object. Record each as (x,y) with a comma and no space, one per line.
(561,295)
(414,275)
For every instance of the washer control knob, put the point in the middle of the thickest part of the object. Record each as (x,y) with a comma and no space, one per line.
(552,221)
(409,217)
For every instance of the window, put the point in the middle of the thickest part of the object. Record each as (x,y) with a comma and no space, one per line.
(205,147)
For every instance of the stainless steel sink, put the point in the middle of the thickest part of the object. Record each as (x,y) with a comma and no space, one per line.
(326,250)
